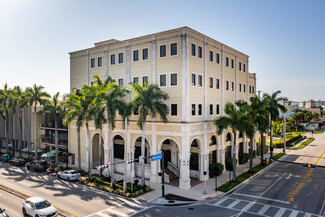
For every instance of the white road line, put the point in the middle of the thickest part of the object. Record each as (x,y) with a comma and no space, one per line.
(263,210)
(248,206)
(272,184)
(233,204)
(280,212)
(294,213)
(220,201)
(322,210)
(140,210)
(118,213)
(264,198)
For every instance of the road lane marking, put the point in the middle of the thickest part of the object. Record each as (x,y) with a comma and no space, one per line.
(263,210)
(12,195)
(233,204)
(294,213)
(280,212)
(273,184)
(220,201)
(320,158)
(262,198)
(322,210)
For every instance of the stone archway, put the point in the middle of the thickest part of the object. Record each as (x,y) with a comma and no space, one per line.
(228,146)
(213,150)
(137,154)
(118,142)
(171,152)
(97,151)
(195,158)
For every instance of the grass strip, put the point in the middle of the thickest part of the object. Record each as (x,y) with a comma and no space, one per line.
(278,156)
(305,143)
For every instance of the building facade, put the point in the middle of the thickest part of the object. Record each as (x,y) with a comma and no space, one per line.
(200,75)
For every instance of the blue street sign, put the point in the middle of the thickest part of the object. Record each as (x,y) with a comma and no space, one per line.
(156,157)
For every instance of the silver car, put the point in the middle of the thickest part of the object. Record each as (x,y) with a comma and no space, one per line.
(70,175)
(2,213)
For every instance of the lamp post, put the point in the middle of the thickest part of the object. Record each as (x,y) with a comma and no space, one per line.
(284,128)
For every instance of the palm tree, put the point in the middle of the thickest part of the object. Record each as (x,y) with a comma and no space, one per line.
(273,107)
(238,121)
(36,96)
(5,96)
(111,97)
(148,101)
(52,110)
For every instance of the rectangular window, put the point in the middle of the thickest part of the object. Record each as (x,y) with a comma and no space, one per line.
(145,79)
(163,51)
(211,109)
(162,80)
(232,86)
(239,87)
(227,61)
(244,68)
(120,58)
(250,89)
(113,59)
(211,83)
(199,80)
(136,55)
(217,83)
(199,109)
(253,90)
(100,61)
(199,52)
(227,85)
(217,58)
(136,80)
(193,109)
(239,66)
(193,80)
(232,63)
(173,109)
(173,79)
(211,56)
(145,54)
(244,88)
(92,63)
(173,49)
(120,81)
(193,49)
(217,109)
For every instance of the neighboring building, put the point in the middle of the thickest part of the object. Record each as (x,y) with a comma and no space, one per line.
(200,75)
(312,104)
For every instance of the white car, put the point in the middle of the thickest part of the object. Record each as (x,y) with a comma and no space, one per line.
(69,175)
(39,207)
(2,213)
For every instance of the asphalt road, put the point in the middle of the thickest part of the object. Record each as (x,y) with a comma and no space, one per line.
(284,189)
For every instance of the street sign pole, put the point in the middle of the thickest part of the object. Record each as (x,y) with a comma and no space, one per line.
(163,175)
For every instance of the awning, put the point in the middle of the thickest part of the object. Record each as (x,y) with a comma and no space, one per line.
(38,150)
(48,155)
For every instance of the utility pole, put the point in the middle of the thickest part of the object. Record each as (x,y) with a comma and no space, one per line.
(284,127)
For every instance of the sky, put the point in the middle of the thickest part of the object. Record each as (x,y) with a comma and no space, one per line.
(285,40)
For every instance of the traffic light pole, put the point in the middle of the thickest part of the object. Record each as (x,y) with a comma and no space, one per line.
(163,175)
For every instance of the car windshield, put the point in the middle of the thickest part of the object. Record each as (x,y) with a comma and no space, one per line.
(42,205)
(74,172)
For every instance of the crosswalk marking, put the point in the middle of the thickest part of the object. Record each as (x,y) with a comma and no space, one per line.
(294,213)
(280,212)
(248,206)
(263,210)
(123,210)
(233,204)
(220,201)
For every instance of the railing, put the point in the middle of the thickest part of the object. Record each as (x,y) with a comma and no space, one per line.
(166,177)
(173,169)
(52,141)
(53,128)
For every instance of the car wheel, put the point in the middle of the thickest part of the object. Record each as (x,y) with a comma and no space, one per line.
(68,179)
(24,212)
(59,177)
(36,215)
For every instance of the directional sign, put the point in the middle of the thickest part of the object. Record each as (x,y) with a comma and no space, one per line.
(156,157)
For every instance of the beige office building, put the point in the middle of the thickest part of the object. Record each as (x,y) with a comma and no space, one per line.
(200,75)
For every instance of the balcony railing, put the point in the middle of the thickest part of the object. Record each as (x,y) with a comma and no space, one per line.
(45,139)
(60,127)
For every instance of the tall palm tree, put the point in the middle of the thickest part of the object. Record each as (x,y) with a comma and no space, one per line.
(36,96)
(149,101)
(238,121)
(111,97)
(52,109)
(273,107)
(5,96)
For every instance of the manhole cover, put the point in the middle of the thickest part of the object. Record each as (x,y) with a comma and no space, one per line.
(191,208)
(171,201)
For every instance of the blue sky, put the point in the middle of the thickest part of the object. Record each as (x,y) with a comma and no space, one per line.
(284,39)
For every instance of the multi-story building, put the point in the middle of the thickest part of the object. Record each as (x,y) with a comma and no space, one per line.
(200,75)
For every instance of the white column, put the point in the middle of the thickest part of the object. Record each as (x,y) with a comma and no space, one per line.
(185,77)
(106,62)
(87,67)
(154,150)
(205,155)
(153,60)
(247,84)
(223,147)
(236,76)
(106,146)
(222,81)
(184,180)
(205,80)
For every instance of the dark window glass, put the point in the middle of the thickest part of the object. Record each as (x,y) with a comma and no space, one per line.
(135,55)
(136,80)
(199,80)
(253,89)
(118,147)
(173,109)
(145,54)
(211,83)
(211,109)
(244,68)
(227,61)
(120,58)
(145,80)
(193,49)
(250,89)
(193,109)
(173,79)
(162,50)
(211,56)
(232,86)
(200,109)
(173,49)
(120,81)
(217,109)
(199,52)
(112,59)
(227,85)
(232,63)
(244,88)
(163,80)
(217,83)
(193,80)
(239,66)
(100,61)
(92,63)
(239,87)
(217,58)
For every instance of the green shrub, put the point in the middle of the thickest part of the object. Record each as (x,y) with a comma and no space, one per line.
(229,164)
(215,169)
(254,154)
(305,143)
(291,139)
(243,158)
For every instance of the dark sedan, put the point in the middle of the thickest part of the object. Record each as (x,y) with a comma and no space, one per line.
(37,165)
(17,162)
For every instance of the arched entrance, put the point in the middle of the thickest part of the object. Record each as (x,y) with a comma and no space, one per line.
(195,159)
(137,154)
(97,151)
(171,160)
(119,147)
(213,150)
(228,147)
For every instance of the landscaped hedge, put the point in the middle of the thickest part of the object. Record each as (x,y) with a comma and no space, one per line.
(243,158)
(291,140)
(229,164)
(212,169)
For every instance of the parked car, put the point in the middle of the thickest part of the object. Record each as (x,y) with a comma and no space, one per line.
(37,165)
(2,213)
(17,161)
(38,207)
(5,157)
(69,175)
